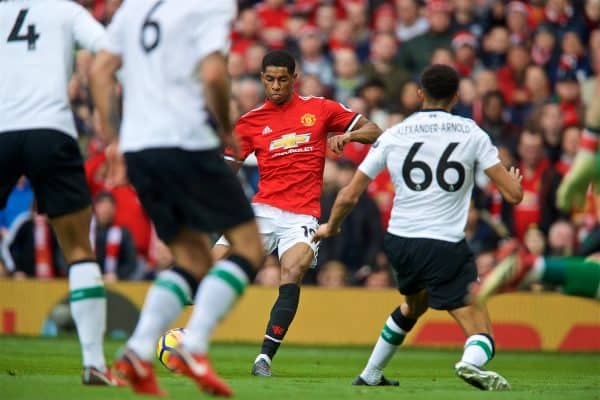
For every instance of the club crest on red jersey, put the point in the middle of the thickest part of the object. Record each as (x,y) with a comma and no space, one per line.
(308,119)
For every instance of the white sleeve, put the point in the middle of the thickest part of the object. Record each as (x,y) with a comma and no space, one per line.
(213,32)
(88,32)
(375,160)
(487,153)
(114,43)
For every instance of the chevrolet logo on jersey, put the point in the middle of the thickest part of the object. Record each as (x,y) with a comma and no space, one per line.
(289,141)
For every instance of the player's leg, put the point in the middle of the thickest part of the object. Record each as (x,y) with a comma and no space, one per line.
(575,275)
(294,261)
(396,327)
(54,164)
(479,349)
(217,203)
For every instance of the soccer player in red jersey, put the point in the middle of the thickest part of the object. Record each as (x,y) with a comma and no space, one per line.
(289,136)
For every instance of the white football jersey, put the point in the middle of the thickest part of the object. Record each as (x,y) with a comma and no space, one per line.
(161,44)
(37,50)
(431,156)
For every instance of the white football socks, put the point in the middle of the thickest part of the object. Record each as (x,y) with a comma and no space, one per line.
(216,295)
(478,350)
(88,308)
(391,337)
(164,302)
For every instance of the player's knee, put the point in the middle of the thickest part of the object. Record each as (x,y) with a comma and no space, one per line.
(292,274)
(414,309)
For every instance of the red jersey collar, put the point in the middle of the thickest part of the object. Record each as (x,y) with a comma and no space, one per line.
(284,106)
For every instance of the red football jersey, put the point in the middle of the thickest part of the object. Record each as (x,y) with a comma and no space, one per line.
(290,142)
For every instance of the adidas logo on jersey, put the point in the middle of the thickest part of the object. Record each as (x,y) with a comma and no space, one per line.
(267,130)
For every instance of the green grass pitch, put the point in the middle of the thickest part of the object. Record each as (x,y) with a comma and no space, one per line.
(35,369)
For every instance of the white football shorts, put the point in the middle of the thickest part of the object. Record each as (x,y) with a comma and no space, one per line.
(282,229)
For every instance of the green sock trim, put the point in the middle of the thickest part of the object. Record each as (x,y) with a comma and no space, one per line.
(483,345)
(392,337)
(175,289)
(230,279)
(95,292)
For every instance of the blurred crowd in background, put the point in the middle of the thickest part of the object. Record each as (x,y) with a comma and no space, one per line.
(528,70)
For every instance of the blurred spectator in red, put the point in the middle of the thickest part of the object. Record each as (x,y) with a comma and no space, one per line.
(464,46)
(381,189)
(511,77)
(313,60)
(273,15)
(574,58)
(569,146)
(548,120)
(465,18)
(310,85)
(516,22)
(495,47)
(245,31)
(540,182)
(466,97)
(342,37)
(414,55)
(326,18)
(356,13)
(381,66)
(537,85)
(236,65)
(534,240)
(113,244)
(129,211)
(409,99)
(485,81)
(544,50)
(568,93)
(254,55)
(384,19)
(561,239)
(410,21)
(249,94)
(348,76)
(496,123)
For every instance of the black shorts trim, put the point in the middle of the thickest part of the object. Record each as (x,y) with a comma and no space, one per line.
(444,269)
(52,161)
(180,188)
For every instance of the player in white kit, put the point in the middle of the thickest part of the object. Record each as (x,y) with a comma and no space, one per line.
(431,156)
(171,56)
(38,139)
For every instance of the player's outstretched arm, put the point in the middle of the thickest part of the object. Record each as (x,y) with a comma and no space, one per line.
(364,131)
(344,203)
(104,86)
(508,182)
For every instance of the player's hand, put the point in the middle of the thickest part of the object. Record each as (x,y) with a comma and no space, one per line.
(515,174)
(336,143)
(324,231)
(116,170)
(231,143)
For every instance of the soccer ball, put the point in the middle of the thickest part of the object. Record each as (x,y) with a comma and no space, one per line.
(167,343)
